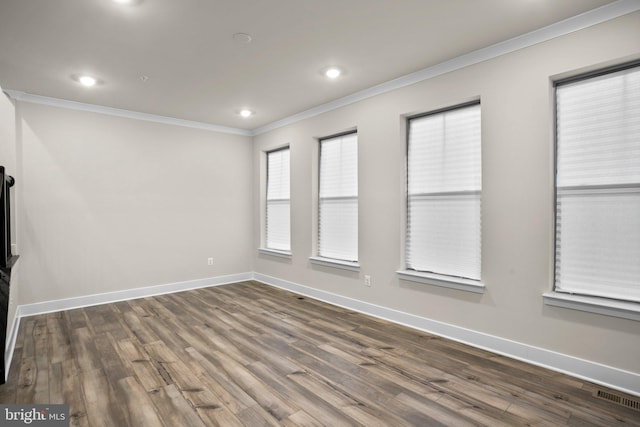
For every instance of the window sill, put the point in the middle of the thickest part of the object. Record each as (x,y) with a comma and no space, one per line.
(608,307)
(275,252)
(442,280)
(335,263)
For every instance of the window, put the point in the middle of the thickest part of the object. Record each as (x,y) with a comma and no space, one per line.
(278,201)
(338,198)
(598,185)
(444,191)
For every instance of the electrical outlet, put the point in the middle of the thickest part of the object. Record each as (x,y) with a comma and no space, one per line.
(209,261)
(367,280)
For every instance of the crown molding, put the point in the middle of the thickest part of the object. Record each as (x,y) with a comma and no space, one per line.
(584,20)
(80,106)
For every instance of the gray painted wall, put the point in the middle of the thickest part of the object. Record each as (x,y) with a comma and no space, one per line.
(112,203)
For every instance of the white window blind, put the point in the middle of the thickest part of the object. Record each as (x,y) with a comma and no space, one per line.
(598,186)
(338,201)
(444,193)
(278,201)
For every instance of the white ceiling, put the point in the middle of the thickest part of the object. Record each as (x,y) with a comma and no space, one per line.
(196,71)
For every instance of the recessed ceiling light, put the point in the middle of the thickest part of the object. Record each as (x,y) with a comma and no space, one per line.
(246,113)
(333,72)
(128,2)
(87,81)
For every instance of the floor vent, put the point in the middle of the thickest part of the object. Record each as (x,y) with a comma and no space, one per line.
(620,400)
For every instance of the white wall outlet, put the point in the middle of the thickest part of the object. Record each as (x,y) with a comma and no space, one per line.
(209,261)
(367,280)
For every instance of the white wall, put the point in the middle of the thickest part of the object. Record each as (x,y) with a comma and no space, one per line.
(517,229)
(112,203)
(8,154)
(7,134)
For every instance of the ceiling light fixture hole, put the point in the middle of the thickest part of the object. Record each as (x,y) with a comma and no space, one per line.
(127,2)
(243,38)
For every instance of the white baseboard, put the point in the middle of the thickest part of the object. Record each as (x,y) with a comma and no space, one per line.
(14,323)
(11,341)
(128,294)
(625,381)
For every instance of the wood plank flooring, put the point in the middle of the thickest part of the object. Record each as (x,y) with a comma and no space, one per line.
(248,354)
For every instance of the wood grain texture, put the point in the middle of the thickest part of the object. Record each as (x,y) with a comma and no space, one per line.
(247,354)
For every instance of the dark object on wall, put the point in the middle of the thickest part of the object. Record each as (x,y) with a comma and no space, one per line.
(7,259)
(6,182)
(4,306)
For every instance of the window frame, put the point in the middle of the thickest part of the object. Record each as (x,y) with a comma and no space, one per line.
(425,277)
(317,258)
(265,249)
(603,305)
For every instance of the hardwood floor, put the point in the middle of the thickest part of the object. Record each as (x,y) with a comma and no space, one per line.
(249,354)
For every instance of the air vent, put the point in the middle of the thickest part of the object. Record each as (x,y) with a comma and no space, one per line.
(620,400)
